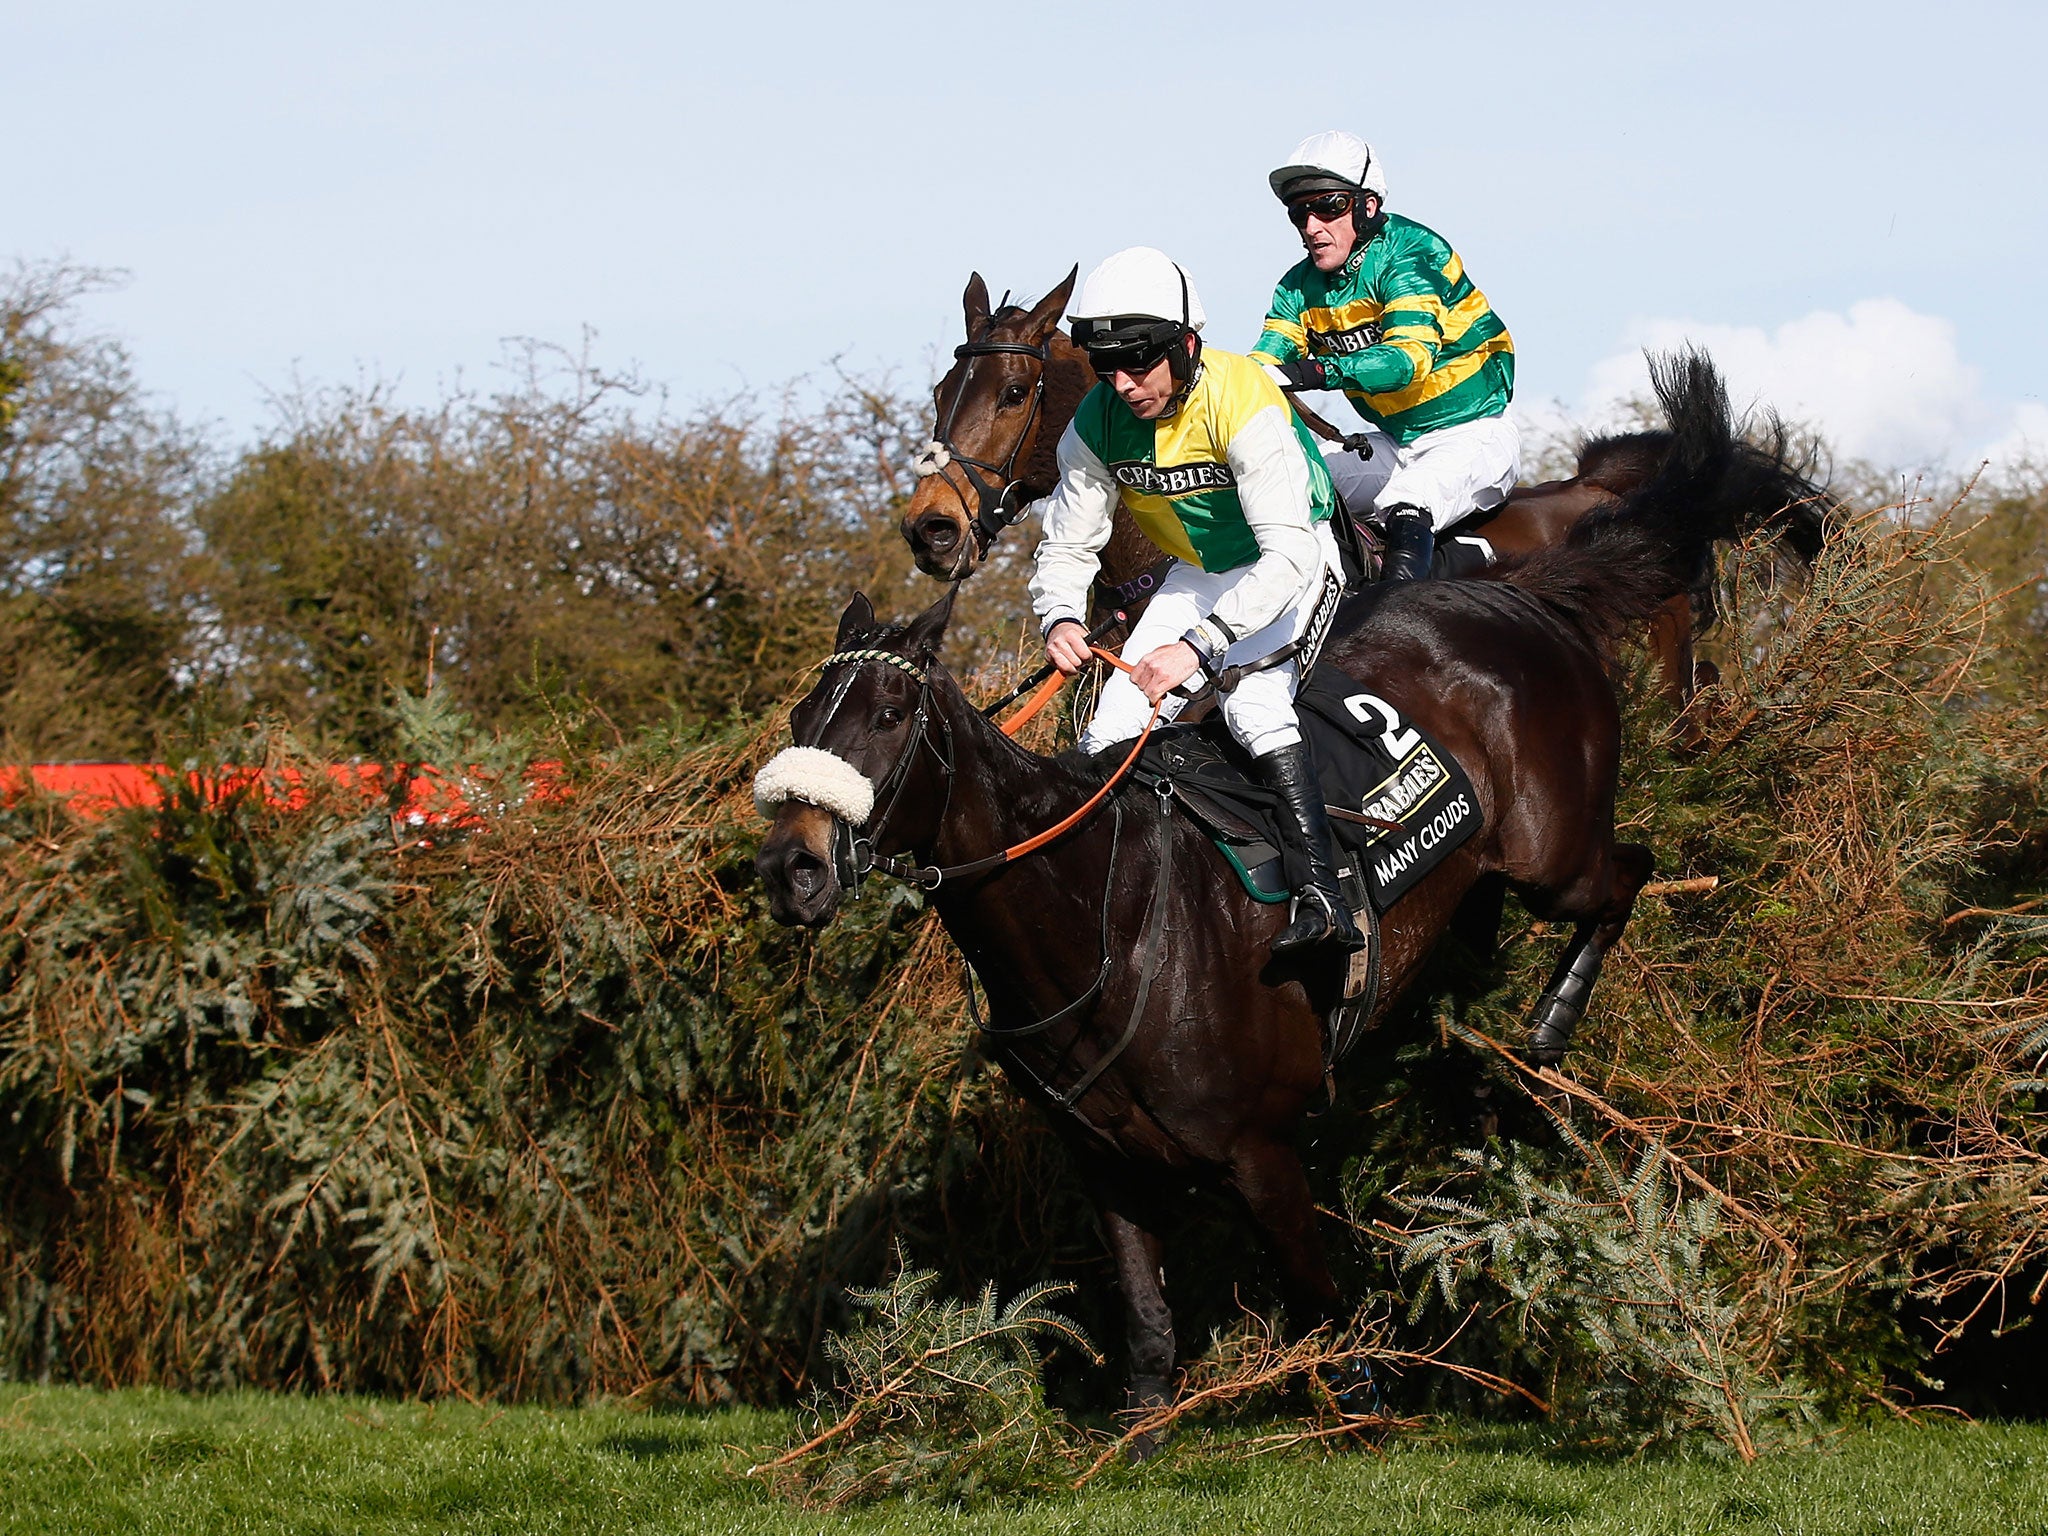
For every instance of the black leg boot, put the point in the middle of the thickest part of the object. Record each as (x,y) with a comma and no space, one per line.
(1320,915)
(1410,543)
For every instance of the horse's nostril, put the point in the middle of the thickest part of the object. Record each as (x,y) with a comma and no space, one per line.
(940,534)
(806,874)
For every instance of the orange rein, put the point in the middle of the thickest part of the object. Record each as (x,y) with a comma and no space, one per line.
(1032,706)
(1041,696)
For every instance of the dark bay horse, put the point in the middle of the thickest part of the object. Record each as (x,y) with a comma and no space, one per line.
(1131,928)
(1017,380)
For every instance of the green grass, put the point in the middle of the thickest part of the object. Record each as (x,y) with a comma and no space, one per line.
(73,1460)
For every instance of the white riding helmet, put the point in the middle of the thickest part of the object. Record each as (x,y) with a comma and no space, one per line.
(1140,283)
(1330,162)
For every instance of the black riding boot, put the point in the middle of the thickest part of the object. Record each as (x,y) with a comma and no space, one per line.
(1409,544)
(1320,915)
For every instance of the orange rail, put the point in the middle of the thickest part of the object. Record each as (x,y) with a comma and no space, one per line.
(432,796)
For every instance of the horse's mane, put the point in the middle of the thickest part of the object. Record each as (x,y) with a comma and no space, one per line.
(1076,770)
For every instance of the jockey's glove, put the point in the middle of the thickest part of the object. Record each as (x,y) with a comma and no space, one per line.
(1302,373)
(1209,640)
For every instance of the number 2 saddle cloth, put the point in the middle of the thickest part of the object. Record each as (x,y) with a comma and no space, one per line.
(1373,763)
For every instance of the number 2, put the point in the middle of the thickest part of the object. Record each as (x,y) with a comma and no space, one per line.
(1398,741)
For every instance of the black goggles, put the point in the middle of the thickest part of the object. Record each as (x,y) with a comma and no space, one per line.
(1132,348)
(1324,205)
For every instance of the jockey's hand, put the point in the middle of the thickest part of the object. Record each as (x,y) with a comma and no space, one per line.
(1302,373)
(1164,669)
(1067,647)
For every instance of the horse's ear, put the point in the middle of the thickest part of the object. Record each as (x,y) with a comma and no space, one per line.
(927,632)
(975,302)
(858,619)
(1047,312)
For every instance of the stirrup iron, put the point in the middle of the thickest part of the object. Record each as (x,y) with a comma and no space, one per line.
(1315,918)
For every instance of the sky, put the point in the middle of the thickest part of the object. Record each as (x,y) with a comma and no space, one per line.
(1843,202)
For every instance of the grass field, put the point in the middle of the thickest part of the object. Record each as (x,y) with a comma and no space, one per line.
(73,1460)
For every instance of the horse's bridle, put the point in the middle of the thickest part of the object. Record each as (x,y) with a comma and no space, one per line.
(853,855)
(999,505)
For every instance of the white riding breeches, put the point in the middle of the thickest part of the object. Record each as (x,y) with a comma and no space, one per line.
(1450,474)
(1260,709)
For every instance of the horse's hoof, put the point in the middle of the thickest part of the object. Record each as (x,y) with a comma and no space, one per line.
(1354,1389)
(1142,1448)
(1144,1399)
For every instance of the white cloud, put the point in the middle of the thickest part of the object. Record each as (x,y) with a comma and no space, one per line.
(1883,383)
(2026,443)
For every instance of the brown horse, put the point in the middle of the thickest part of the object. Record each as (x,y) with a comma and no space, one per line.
(999,412)
(1130,991)
(1017,380)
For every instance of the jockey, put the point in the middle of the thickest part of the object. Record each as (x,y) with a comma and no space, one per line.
(1202,448)
(1382,309)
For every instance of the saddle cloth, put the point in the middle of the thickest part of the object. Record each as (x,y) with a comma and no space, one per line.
(1372,762)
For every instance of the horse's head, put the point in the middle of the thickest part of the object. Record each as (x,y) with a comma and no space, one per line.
(999,412)
(866,775)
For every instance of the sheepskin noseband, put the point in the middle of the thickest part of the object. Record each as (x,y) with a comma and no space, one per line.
(816,777)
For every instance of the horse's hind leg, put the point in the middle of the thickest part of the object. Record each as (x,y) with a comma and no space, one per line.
(1671,643)
(1681,674)
(1563,1003)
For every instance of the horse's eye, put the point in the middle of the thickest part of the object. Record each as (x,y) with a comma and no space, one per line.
(1013,395)
(888,717)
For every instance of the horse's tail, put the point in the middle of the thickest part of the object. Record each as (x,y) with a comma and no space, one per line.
(1621,564)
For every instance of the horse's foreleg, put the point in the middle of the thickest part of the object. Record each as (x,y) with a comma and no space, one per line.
(1563,1003)
(1269,1176)
(1148,1324)
(1475,921)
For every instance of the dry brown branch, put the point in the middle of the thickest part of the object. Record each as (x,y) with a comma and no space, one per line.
(1578,1092)
(1689,886)
(1255,1362)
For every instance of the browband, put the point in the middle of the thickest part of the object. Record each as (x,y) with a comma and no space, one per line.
(900,663)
